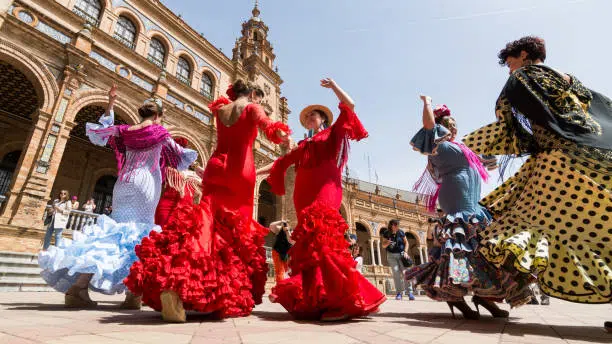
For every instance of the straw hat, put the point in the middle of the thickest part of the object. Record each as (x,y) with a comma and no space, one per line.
(310,108)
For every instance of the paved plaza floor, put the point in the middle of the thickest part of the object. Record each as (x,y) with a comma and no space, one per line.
(41,318)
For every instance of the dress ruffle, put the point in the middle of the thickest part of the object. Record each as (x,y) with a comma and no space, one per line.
(215,264)
(105,249)
(271,131)
(425,141)
(457,268)
(352,126)
(324,279)
(218,103)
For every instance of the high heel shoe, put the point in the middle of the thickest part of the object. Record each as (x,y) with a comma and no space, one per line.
(172,307)
(467,312)
(490,306)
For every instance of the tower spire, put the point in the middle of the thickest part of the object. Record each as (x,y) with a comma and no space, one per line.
(256,11)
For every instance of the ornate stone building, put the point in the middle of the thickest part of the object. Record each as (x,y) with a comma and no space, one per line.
(368,208)
(58,58)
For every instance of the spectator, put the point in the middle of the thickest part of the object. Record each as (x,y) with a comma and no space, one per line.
(90,206)
(280,251)
(394,240)
(356,251)
(61,209)
(108,210)
(74,203)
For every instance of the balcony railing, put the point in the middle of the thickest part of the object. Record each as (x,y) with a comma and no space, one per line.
(88,17)
(156,61)
(124,41)
(184,80)
(77,219)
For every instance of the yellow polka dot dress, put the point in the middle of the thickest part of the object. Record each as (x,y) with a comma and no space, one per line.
(552,218)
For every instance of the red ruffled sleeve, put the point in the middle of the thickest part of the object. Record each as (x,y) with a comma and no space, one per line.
(348,124)
(264,123)
(218,103)
(276,179)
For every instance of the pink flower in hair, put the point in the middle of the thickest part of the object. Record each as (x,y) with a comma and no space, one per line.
(441,111)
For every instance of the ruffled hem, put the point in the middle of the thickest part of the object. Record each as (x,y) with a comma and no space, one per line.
(426,141)
(216,265)
(456,268)
(105,250)
(353,127)
(218,103)
(272,129)
(324,279)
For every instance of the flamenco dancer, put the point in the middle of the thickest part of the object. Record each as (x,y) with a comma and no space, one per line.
(553,215)
(178,185)
(453,178)
(210,256)
(100,258)
(325,284)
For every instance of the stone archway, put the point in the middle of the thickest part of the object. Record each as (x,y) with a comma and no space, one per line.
(83,164)
(103,192)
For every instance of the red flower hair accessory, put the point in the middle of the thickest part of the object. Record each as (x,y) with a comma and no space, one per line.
(441,111)
(181,141)
(230,92)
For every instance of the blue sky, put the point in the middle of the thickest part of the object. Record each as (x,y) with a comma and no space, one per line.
(385,53)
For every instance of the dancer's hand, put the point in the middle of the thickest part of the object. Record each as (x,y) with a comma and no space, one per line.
(112,93)
(329,83)
(425,99)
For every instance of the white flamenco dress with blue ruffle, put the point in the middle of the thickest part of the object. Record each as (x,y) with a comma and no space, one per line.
(106,249)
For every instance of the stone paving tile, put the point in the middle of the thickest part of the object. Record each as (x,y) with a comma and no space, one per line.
(41,318)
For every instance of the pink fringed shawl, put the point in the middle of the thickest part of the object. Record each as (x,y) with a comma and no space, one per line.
(140,142)
(428,186)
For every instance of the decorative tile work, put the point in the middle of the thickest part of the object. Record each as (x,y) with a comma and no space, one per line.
(46,155)
(175,101)
(103,60)
(142,83)
(25,17)
(201,116)
(59,116)
(53,33)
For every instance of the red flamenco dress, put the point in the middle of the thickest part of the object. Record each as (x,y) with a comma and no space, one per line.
(177,185)
(211,254)
(324,283)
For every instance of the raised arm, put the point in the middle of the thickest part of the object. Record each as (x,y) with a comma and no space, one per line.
(276,132)
(429,121)
(343,97)
(348,124)
(112,97)
(278,170)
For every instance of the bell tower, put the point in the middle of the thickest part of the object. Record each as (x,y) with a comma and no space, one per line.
(253,49)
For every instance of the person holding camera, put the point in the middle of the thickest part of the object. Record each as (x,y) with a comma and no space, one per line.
(396,244)
(280,250)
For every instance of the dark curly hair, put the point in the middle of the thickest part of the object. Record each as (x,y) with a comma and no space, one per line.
(534,46)
(241,88)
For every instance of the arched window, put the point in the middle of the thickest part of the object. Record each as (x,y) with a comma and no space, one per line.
(207,86)
(88,10)
(157,52)
(183,71)
(125,32)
